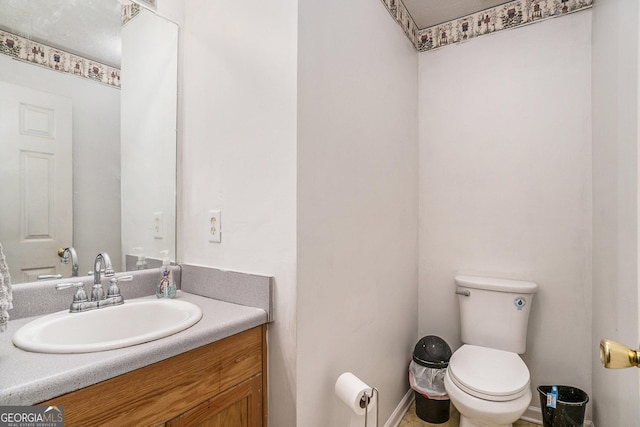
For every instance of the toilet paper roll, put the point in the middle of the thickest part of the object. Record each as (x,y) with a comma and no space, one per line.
(350,389)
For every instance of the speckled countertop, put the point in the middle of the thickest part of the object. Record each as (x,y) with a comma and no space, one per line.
(28,378)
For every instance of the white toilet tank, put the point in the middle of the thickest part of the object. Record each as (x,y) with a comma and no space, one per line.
(494,312)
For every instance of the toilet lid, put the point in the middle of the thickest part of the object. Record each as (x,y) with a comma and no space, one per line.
(488,373)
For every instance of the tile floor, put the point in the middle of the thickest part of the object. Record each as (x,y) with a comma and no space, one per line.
(412,420)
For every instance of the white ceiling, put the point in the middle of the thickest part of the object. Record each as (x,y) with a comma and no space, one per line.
(427,13)
(90,28)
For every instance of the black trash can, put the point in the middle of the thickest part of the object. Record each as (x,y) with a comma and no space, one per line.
(571,405)
(431,353)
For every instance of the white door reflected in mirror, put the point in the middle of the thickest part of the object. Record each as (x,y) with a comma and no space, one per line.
(36,213)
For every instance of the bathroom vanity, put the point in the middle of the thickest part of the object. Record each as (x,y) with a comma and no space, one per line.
(213,372)
(219,384)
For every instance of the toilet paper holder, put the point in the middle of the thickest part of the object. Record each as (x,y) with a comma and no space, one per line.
(364,404)
(358,396)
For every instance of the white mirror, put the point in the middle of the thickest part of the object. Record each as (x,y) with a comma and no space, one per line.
(88,110)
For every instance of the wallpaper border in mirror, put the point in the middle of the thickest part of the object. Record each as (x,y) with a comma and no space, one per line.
(55,59)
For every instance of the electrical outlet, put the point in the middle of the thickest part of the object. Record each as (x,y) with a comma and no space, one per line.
(214,230)
(158,226)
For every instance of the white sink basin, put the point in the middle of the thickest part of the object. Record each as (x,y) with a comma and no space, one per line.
(134,322)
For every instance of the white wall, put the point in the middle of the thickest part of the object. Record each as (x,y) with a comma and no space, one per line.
(357,206)
(149,113)
(96,155)
(239,156)
(505,184)
(615,204)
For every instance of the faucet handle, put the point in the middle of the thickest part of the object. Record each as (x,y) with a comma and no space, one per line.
(49,276)
(80,295)
(114,291)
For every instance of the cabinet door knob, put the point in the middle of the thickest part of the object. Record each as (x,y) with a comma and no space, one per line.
(616,355)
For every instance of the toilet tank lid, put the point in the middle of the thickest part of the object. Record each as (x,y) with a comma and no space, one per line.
(496,284)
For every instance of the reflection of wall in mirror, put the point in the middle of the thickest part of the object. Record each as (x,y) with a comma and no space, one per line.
(149,82)
(96,155)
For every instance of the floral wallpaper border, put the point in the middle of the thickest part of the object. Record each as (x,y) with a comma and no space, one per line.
(43,55)
(503,17)
(56,59)
(399,12)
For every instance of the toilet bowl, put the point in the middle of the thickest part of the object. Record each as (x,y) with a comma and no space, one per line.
(486,379)
(489,387)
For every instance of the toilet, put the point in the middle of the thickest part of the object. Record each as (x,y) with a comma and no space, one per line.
(486,379)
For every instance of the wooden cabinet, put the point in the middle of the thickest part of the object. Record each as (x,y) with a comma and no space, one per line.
(222,384)
(239,406)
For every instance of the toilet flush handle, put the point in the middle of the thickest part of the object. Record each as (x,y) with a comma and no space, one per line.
(616,355)
(463,292)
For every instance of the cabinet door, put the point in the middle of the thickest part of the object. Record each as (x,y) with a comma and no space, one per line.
(240,406)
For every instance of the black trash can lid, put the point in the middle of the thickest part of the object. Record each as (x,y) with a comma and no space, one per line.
(432,352)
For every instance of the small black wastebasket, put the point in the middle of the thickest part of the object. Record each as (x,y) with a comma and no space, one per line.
(432,355)
(570,406)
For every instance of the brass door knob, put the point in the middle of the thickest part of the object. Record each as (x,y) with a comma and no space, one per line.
(616,355)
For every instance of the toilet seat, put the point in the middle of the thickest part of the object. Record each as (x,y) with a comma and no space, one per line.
(489,374)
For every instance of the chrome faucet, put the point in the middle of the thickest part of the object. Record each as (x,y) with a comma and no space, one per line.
(97,293)
(98,300)
(65,254)
(81,301)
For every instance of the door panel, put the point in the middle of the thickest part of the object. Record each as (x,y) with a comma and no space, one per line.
(36,213)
